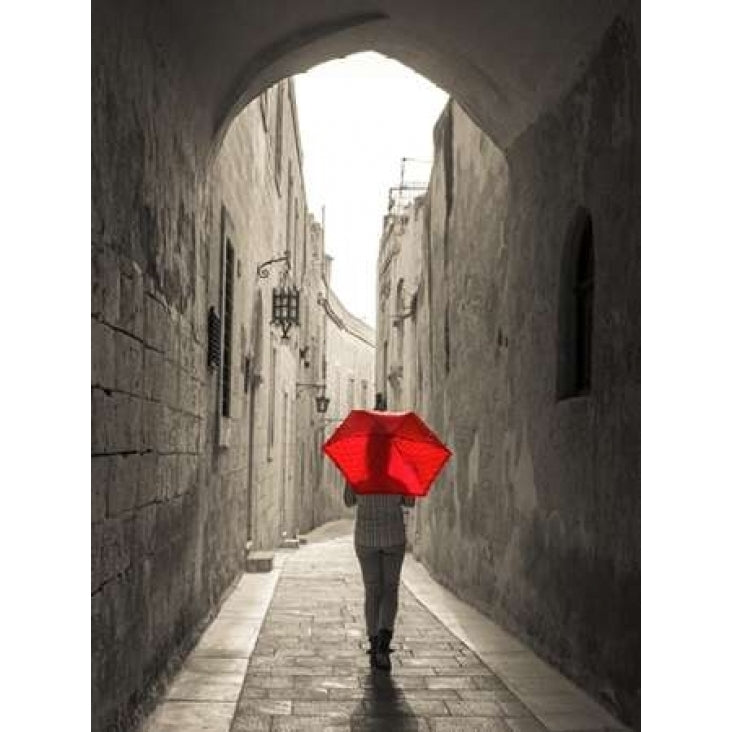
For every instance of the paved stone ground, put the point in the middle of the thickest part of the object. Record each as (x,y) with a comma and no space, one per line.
(309,669)
(287,652)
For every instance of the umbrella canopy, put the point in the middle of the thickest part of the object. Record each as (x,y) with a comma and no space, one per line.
(386,452)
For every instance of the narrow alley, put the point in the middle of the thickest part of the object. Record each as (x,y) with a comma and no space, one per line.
(498,277)
(287,653)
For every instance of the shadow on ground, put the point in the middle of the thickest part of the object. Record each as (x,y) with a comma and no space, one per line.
(384,707)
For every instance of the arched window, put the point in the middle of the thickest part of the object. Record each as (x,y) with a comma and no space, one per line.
(575,309)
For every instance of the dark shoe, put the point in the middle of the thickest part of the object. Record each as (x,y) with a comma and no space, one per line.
(382,659)
(374,641)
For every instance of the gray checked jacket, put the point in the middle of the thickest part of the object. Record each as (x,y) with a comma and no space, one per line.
(379,518)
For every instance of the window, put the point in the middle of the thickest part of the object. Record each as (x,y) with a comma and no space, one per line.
(227,326)
(350,393)
(576,297)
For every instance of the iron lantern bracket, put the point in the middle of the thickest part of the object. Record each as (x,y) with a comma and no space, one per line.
(263,269)
(321,401)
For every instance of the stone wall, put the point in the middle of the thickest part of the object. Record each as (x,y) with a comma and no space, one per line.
(350,351)
(399,277)
(400,327)
(536,519)
(263,204)
(172,508)
(156,570)
(312,373)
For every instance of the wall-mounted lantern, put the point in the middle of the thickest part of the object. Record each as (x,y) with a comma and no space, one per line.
(321,401)
(285,300)
(285,308)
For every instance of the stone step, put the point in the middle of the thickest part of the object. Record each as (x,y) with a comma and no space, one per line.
(290,543)
(260,561)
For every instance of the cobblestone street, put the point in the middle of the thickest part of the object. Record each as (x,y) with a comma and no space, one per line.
(308,669)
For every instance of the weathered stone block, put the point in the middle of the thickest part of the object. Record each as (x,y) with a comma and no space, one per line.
(97,542)
(200,307)
(100,469)
(260,561)
(161,428)
(129,364)
(187,353)
(150,417)
(103,355)
(105,285)
(132,301)
(181,432)
(171,374)
(115,556)
(153,375)
(147,485)
(171,430)
(199,435)
(167,476)
(156,322)
(187,473)
(97,284)
(188,392)
(145,523)
(199,362)
(125,423)
(171,334)
(123,484)
(101,423)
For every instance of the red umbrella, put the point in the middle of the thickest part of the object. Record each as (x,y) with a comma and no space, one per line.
(386,452)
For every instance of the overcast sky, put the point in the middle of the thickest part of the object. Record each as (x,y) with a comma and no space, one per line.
(358,117)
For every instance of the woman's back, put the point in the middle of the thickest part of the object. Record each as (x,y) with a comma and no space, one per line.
(379,519)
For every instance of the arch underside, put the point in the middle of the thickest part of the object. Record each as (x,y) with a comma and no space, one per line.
(503,61)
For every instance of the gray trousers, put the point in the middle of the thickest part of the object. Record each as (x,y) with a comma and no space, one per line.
(381,568)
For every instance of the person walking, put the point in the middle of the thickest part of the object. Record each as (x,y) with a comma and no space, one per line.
(380,544)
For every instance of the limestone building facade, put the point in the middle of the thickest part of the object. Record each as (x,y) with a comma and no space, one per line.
(349,361)
(399,280)
(521,348)
(206,443)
